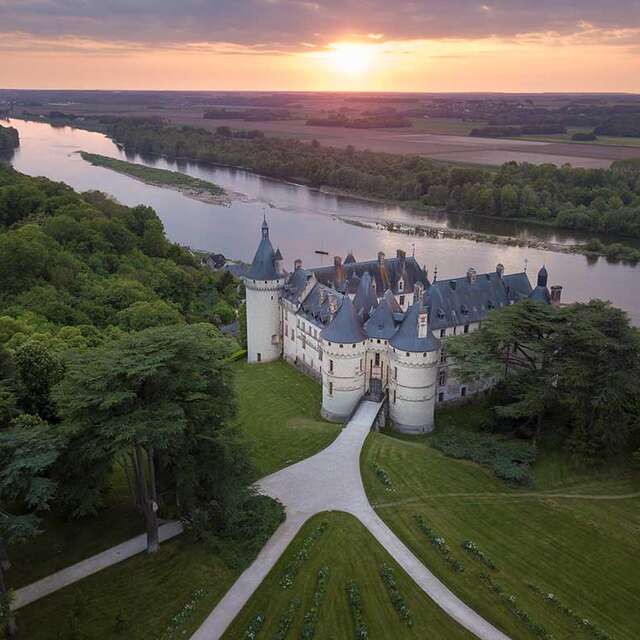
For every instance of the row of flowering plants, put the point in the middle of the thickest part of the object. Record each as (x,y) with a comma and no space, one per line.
(254,627)
(183,615)
(311,616)
(383,476)
(360,630)
(291,570)
(286,619)
(581,621)
(440,544)
(388,577)
(472,548)
(511,602)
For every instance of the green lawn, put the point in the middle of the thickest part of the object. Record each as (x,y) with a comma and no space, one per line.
(585,551)
(144,592)
(63,543)
(279,411)
(351,554)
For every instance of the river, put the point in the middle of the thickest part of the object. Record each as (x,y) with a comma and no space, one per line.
(304,220)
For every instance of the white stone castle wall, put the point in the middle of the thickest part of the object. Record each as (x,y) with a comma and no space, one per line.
(342,384)
(301,342)
(412,390)
(264,338)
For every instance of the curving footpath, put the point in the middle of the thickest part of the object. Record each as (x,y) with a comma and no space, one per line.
(331,481)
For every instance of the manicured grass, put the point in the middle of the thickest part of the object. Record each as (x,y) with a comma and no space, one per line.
(151,175)
(145,592)
(350,553)
(585,551)
(64,542)
(279,411)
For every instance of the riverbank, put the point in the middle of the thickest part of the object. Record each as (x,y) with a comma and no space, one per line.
(195,188)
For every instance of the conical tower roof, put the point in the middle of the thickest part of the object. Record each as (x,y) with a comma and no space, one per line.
(406,337)
(263,265)
(345,327)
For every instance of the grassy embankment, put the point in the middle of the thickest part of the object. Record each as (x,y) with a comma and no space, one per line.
(152,175)
(584,550)
(350,553)
(278,410)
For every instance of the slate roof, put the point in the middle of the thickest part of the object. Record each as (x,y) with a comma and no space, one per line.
(457,301)
(541,294)
(385,319)
(385,273)
(263,265)
(345,327)
(366,298)
(406,337)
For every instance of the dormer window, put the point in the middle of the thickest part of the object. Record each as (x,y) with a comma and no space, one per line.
(400,285)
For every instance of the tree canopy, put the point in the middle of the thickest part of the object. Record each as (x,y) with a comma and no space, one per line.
(581,361)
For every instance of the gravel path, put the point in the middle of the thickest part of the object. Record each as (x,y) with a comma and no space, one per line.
(331,481)
(69,575)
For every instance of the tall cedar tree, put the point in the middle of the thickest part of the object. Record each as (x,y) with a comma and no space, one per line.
(158,402)
(28,449)
(583,358)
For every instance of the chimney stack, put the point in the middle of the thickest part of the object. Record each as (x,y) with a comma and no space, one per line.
(556,293)
(333,304)
(340,274)
(297,264)
(500,270)
(471,275)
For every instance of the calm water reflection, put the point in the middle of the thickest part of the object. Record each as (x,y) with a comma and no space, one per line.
(303,220)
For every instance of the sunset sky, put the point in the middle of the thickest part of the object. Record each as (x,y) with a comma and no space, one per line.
(381,45)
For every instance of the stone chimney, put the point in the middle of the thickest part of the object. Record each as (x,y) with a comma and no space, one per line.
(380,258)
(278,263)
(340,274)
(471,275)
(500,270)
(297,264)
(418,292)
(333,305)
(556,294)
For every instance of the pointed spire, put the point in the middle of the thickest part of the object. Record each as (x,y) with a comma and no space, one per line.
(265,227)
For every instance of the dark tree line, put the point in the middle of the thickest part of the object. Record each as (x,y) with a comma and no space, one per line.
(597,200)
(110,356)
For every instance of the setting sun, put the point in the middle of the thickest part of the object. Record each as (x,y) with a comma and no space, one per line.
(350,58)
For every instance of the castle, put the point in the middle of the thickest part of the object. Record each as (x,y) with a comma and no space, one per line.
(373,328)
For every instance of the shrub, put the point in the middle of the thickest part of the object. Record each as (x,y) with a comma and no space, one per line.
(286,619)
(473,549)
(311,616)
(510,459)
(389,579)
(361,631)
(511,602)
(383,476)
(291,570)
(254,627)
(583,623)
(440,544)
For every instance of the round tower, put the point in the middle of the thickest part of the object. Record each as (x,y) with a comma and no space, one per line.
(343,362)
(414,354)
(264,283)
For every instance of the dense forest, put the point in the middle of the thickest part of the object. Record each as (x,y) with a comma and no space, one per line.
(9,139)
(597,200)
(110,357)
